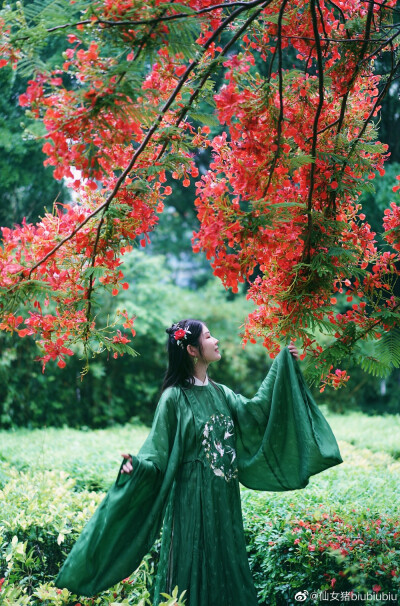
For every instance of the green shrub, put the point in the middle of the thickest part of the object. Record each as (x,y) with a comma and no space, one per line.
(42,516)
(378,433)
(317,550)
(42,511)
(341,533)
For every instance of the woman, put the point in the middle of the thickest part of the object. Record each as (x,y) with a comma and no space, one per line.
(204,440)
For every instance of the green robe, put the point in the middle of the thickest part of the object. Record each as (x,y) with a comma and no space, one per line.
(203,442)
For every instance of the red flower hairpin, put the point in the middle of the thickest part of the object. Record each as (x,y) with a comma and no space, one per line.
(180,335)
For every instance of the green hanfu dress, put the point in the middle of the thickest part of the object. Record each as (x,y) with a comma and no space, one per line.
(203,442)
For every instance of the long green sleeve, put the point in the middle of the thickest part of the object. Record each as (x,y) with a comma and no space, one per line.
(129,519)
(282,438)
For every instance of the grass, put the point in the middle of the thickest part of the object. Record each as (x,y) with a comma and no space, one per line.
(369,447)
(91,457)
(378,433)
(364,481)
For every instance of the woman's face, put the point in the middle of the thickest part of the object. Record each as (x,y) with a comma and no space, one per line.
(209,346)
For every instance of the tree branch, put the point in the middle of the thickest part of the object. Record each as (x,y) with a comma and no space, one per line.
(332,197)
(281,109)
(307,242)
(386,42)
(91,279)
(153,20)
(184,111)
(209,71)
(384,5)
(371,114)
(331,125)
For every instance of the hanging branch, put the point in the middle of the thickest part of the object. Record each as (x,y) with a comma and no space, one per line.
(101,222)
(381,95)
(162,151)
(353,41)
(307,242)
(152,20)
(341,13)
(332,196)
(209,71)
(281,109)
(385,42)
(378,100)
(322,21)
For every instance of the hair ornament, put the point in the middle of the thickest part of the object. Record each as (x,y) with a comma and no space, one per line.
(180,334)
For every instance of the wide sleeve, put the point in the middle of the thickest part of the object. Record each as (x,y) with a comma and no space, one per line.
(282,438)
(128,520)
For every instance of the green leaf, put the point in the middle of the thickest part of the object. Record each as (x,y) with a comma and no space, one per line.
(301,160)
(120,348)
(374,367)
(178,8)
(95,272)
(207,119)
(388,348)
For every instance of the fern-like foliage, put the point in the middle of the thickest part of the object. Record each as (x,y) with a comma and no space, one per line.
(388,348)
(374,366)
(50,11)
(377,358)
(183,36)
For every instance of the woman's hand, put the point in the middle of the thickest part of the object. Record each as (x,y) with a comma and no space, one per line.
(127,466)
(293,350)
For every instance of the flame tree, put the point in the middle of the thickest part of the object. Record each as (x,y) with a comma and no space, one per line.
(296,87)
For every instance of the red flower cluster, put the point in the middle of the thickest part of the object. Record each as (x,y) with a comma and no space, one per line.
(335,379)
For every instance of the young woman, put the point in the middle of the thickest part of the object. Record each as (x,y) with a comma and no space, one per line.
(204,440)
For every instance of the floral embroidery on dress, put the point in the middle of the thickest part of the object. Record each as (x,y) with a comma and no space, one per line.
(218,441)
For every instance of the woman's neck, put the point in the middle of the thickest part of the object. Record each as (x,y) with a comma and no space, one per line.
(200,371)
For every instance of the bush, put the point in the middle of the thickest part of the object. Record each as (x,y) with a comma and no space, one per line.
(378,433)
(317,550)
(90,457)
(339,534)
(42,517)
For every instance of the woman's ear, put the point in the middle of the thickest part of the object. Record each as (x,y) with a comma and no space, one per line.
(192,351)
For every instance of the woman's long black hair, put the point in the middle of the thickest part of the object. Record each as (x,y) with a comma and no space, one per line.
(180,364)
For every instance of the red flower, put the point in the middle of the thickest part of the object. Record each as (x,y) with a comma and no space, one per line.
(179,334)
(376,588)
